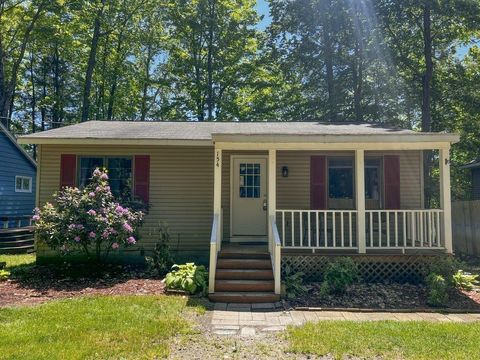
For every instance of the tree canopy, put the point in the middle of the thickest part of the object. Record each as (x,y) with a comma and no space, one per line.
(385,61)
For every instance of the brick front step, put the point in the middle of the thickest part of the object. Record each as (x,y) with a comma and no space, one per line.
(244,297)
(244,274)
(230,254)
(244,285)
(243,264)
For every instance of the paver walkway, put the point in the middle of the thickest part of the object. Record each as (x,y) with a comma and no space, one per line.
(253,319)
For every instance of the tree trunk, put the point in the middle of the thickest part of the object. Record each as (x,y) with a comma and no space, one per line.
(358,82)
(3,95)
(210,59)
(328,55)
(146,83)
(91,63)
(43,113)
(7,86)
(34,100)
(426,98)
(57,105)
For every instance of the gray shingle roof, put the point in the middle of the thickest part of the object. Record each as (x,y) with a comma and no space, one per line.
(206,131)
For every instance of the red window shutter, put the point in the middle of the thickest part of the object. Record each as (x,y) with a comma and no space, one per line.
(318,183)
(142,177)
(391,169)
(68,170)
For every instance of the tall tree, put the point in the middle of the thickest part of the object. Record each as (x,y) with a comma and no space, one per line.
(99,8)
(17,21)
(214,41)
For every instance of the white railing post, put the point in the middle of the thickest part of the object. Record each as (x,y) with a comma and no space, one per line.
(213,253)
(276,254)
(445,199)
(360,198)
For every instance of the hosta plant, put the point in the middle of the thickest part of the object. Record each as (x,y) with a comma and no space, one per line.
(464,280)
(4,275)
(89,220)
(188,277)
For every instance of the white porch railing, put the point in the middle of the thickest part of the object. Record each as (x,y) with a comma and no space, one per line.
(275,249)
(215,247)
(337,229)
(405,229)
(318,229)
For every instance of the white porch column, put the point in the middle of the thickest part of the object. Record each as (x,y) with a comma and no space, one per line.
(217,193)
(360,198)
(216,238)
(272,190)
(445,199)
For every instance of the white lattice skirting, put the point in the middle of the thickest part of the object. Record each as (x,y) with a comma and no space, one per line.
(372,268)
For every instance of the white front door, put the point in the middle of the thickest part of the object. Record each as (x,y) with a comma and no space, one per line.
(249,198)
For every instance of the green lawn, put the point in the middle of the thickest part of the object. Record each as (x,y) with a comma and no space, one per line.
(126,327)
(17,260)
(391,340)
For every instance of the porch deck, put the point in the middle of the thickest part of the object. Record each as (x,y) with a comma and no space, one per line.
(334,200)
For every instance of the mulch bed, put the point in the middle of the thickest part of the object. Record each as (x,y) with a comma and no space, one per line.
(384,296)
(42,283)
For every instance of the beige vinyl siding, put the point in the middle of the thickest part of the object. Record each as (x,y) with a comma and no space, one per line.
(181,190)
(181,187)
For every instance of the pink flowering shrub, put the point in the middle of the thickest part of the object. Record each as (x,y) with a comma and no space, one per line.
(89,220)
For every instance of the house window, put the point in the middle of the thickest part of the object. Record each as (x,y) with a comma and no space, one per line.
(249,180)
(372,179)
(119,173)
(23,184)
(340,178)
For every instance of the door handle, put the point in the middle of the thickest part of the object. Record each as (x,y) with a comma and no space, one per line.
(265,205)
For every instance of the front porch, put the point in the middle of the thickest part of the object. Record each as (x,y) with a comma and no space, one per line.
(313,216)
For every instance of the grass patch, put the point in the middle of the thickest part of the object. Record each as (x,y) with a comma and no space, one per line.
(17,260)
(113,327)
(391,340)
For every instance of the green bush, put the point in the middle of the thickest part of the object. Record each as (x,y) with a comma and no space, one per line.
(4,275)
(464,280)
(339,274)
(446,266)
(437,290)
(293,283)
(89,220)
(188,277)
(161,261)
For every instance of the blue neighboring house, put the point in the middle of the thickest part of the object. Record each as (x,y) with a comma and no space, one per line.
(17,182)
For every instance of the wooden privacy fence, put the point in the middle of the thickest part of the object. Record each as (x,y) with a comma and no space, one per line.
(466,227)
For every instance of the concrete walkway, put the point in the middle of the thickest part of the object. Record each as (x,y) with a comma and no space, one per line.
(254,319)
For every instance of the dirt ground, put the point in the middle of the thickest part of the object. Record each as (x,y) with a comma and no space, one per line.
(38,284)
(384,296)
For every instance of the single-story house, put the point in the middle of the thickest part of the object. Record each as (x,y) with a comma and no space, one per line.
(17,182)
(474,167)
(252,197)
